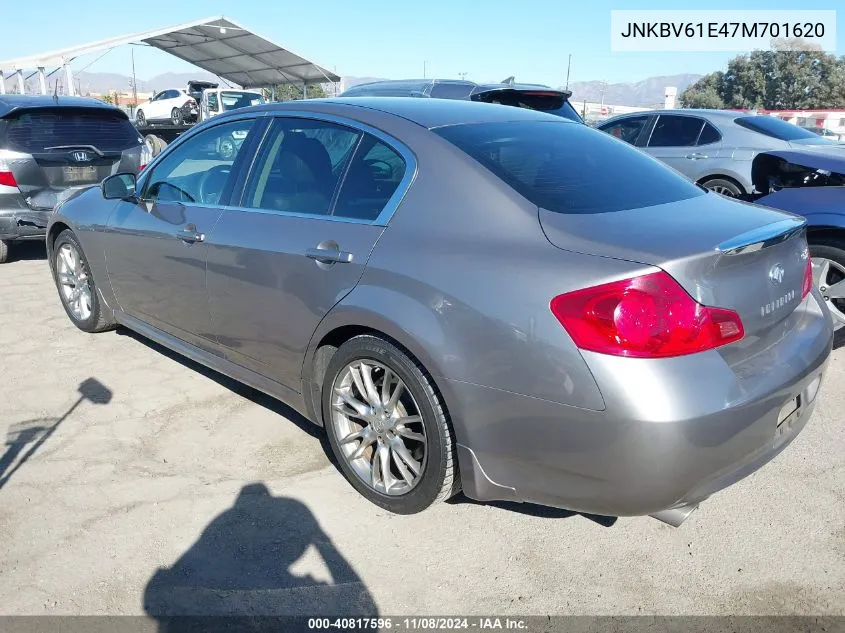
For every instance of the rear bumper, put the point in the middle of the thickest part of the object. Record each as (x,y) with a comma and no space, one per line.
(18,221)
(674,431)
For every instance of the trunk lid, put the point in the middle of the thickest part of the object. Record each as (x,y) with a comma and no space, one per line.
(724,253)
(53,151)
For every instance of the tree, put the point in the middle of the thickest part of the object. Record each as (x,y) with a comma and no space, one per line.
(293,92)
(108,99)
(793,75)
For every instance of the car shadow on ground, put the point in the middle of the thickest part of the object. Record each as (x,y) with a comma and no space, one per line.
(534,510)
(27,250)
(259,398)
(25,438)
(264,556)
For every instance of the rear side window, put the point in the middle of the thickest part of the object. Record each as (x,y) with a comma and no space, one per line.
(675,131)
(37,131)
(708,135)
(450,91)
(374,175)
(774,127)
(627,129)
(570,168)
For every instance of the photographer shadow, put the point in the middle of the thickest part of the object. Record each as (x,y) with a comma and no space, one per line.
(255,560)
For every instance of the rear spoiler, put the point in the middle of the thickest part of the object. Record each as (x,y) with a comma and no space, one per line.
(762,237)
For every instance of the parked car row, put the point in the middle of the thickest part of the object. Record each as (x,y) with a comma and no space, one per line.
(553,316)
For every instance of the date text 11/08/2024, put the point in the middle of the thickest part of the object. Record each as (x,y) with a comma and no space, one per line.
(418,624)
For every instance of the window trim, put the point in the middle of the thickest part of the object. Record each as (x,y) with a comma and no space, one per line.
(390,207)
(701,131)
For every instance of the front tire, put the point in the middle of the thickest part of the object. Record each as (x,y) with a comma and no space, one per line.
(828,258)
(4,251)
(388,427)
(76,287)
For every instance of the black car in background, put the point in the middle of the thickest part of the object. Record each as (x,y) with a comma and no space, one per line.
(50,147)
(532,96)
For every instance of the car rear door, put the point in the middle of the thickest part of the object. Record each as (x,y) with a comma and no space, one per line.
(53,151)
(157,245)
(673,140)
(314,205)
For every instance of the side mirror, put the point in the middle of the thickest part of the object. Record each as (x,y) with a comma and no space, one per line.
(119,187)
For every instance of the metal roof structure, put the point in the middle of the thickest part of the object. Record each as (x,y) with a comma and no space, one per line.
(217,45)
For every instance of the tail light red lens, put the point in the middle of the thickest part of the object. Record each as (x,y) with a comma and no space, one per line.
(807,284)
(7,178)
(649,316)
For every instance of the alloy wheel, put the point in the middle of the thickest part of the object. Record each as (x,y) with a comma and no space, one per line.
(721,189)
(829,278)
(73,282)
(379,427)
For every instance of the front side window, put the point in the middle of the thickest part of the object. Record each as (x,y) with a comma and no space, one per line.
(299,166)
(569,168)
(675,131)
(211,98)
(627,129)
(198,170)
(374,175)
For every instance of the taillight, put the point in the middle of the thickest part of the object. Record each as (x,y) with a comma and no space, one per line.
(7,178)
(141,168)
(807,284)
(649,316)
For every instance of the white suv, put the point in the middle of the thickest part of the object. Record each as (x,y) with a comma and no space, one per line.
(175,106)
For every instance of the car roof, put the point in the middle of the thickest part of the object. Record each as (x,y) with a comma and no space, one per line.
(13,103)
(429,113)
(418,85)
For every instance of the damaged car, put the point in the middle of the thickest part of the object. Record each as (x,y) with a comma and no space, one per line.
(811,183)
(52,146)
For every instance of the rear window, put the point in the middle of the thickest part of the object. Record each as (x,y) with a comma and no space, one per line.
(38,130)
(772,126)
(570,168)
(234,100)
(545,101)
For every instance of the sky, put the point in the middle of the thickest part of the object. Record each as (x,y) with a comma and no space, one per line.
(488,40)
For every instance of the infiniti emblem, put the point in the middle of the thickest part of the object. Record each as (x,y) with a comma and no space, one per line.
(81,157)
(776,274)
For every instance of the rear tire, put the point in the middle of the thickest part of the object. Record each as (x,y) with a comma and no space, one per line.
(176,116)
(832,249)
(77,290)
(431,458)
(140,118)
(723,186)
(4,251)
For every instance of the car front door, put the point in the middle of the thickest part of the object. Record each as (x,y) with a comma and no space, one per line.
(311,210)
(157,245)
(153,108)
(674,140)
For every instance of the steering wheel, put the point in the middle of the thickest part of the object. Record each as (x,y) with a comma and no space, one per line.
(212,182)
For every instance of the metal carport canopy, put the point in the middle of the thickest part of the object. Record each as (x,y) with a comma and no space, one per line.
(217,45)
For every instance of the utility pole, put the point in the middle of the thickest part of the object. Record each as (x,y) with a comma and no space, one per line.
(568,66)
(134,83)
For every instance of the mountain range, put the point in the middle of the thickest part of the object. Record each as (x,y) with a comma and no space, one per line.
(647,92)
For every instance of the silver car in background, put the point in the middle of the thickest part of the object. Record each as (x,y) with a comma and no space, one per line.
(711,147)
(466,296)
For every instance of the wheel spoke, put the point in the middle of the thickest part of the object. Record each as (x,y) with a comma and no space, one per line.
(66,279)
(821,267)
(387,478)
(403,469)
(356,379)
(385,386)
(402,451)
(356,435)
(366,441)
(837,290)
(67,257)
(404,431)
(375,472)
(394,397)
(361,409)
(370,389)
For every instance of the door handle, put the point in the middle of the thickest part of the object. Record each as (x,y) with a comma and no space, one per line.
(190,236)
(326,256)
(696,155)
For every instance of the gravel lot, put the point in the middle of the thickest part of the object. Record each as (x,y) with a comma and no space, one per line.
(134,482)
